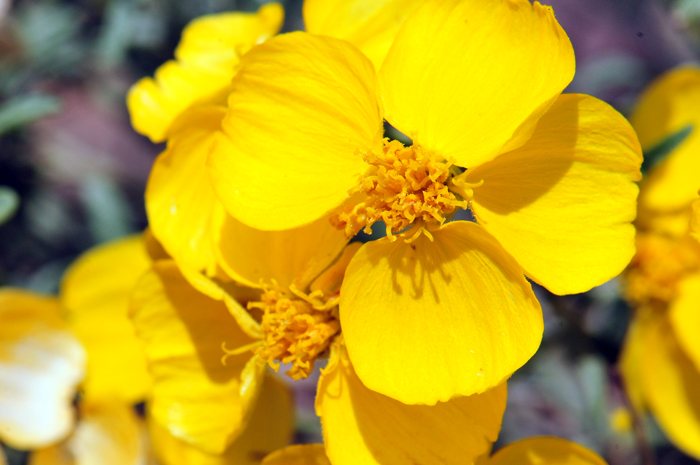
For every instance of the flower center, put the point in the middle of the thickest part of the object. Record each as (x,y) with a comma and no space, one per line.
(403,186)
(658,267)
(298,327)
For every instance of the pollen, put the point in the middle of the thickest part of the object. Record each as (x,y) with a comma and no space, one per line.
(298,327)
(658,267)
(403,186)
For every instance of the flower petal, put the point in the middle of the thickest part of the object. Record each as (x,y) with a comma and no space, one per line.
(180,201)
(671,382)
(427,321)
(41,364)
(206,61)
(562,204)
(195,396)
(270,427)
(631,361)
(300,454)
(478,85)
(695,221)
(109,433)
(317,96)
(297,255)
(545,449)
(684,314)
(370,25)
(95,293)
(668,106)
(363,426)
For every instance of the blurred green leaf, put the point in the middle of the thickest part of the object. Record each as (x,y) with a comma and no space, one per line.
(658,152)
(24,109)
(9,202)
(108,210)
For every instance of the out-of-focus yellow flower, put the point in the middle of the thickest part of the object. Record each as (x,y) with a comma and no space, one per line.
(95,294)
(532,451)
(41,365)
(549,178)
(205,61)
(661,357)
(695,221)
(621,420)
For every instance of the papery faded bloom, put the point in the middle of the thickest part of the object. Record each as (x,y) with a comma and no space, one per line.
(446,310)
(41,365)
(532,451)
(661,357)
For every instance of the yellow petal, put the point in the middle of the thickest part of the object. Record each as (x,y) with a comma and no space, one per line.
(671,382)
(301,454)
(478,85)
(95,293)
(297,255)
(562,204)
(363,426)
(206,62)
(109,433)
(180,201)
(685,317)
(41,364)
(195,396)
(631,361)
(668,106)
(3,459)
(370,25)
(428,321)
(695,221)
(545,450)
(317,96)
(270,427)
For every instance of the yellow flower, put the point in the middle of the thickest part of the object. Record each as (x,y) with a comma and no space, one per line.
(695,221)
(533,451)
(446,310)
(41,364)
(188,324)
(205,61)
(661,357)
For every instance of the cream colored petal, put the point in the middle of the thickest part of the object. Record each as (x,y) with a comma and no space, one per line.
(363,426)
(271,426)
(41,364)
(195,395)
(95,293)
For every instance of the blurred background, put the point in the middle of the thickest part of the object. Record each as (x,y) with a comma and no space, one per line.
(73,172)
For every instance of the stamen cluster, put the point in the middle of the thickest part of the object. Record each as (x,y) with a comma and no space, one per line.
(404,185)
(658,267)
(298,328)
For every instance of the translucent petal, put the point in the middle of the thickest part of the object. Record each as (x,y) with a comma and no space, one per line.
(469,79)
(363,426)
(317,96)
(428,321)
(563,203)
(195,396)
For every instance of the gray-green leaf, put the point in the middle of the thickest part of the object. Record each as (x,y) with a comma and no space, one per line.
(9,202)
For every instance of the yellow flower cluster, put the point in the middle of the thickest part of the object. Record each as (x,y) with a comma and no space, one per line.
(276,157)
(661,358)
